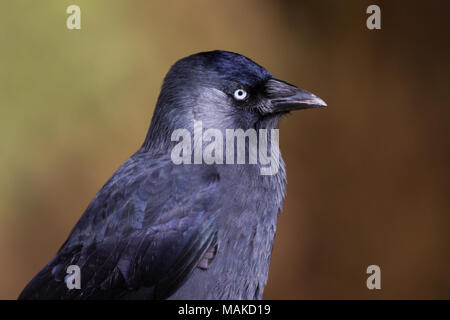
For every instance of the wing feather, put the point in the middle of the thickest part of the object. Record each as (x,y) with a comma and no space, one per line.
(141,236)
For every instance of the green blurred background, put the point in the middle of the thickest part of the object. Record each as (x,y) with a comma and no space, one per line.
(368,177)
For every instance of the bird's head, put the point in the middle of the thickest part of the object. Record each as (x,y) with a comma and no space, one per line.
(224,90)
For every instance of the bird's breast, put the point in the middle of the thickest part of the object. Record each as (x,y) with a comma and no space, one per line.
(244,239)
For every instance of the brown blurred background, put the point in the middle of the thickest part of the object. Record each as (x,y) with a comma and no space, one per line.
(368,177)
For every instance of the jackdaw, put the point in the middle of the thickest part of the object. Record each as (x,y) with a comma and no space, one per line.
(161,229)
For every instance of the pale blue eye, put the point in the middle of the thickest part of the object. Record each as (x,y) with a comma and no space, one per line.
(240,94)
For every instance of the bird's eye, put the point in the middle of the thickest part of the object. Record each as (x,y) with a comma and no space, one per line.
(240,94)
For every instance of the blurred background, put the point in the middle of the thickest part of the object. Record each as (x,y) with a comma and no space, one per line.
(368,177)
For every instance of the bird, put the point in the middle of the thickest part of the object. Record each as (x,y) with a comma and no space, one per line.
(164,230)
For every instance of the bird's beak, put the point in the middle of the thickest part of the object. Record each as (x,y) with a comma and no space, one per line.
(285,97)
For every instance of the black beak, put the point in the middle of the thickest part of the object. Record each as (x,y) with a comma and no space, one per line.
(286,97)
